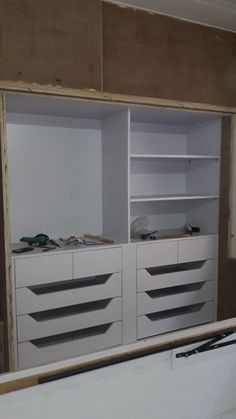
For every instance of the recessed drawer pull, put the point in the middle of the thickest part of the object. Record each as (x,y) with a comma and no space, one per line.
(175,319)
(161,270)
(175,312)
(71,336)
(71,310)
(179,289)
(70,284)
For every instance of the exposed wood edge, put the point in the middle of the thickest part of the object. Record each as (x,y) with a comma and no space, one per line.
(232,177)
(8,318)
(122,354)
(34,88)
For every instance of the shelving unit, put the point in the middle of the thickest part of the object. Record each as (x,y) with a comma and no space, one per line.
(80,167)
(174,172)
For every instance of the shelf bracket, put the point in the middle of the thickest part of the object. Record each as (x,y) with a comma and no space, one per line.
(210,345)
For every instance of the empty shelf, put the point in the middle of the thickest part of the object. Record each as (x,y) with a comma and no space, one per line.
(152,198)
(173,156)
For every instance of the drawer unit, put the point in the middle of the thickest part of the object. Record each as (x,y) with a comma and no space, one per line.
(168,298)
(52,322)
(156,254)
(196,249)
(68,345)
(43,269)
(175,319)
(96,262)
(67,304)
(188,273)
(33,299)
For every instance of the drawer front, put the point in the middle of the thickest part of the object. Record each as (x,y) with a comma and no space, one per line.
(154,303)
(147,281)
(43,269)
(33,353)
(196,249)
(156,254)
(150,327)
(102,312)
(95,262)
(28,301)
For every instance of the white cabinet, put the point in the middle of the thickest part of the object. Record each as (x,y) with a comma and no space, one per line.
(71,309)
(79,167)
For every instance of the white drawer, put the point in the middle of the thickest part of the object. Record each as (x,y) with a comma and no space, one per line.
(86,315)
(147,281)
(95,262)
(150,326)
(156,254)
(43,269)
(28,301)
(156,302)
(32,354)
(196,249)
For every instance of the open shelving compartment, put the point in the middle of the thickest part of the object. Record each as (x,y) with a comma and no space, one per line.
(175,170)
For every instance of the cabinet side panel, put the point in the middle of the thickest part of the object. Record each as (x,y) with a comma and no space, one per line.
(5,253)
(147,54)
(227,266)
(56,42)
(115,141)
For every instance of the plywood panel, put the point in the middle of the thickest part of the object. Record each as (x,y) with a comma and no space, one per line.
(56,42)
(227,266)
(5,259)
(146,54)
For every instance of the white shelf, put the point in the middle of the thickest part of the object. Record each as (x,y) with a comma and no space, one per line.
(152,198)
(173,156)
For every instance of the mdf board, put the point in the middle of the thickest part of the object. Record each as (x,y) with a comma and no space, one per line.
(52,42)
(151,55)
(227,266)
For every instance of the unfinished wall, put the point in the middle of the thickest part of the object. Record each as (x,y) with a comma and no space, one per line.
(55,42)
(146,54)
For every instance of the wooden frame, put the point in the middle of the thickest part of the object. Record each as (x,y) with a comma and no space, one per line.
(15,87)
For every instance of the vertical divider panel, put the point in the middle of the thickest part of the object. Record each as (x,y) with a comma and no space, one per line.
(5,251)
(129,292)
(115,173)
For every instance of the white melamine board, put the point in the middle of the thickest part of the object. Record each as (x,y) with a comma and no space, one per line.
(115,143)
(184,197)
(158,139)
(43,270)
(131,389)
(55,180)
(97,262)
(204,214)
(29,302)
(156,177)
(146,281)
(203,177)
(148,304)
(172,156)
(205,138)
(161,215)
(129,294)
(30,355)
(29,328)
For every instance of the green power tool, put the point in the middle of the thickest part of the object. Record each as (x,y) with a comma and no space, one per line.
(39,239)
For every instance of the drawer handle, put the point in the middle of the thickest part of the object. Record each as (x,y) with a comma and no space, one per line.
(70,336)
(174,312)
(70,284)
(161,270)
(71,310)
(179,289)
